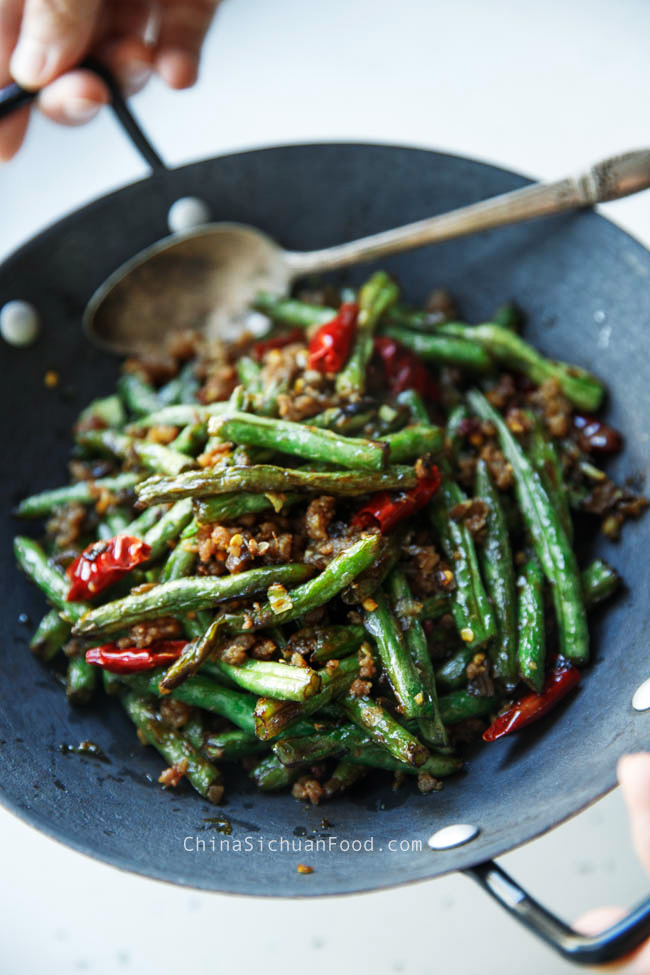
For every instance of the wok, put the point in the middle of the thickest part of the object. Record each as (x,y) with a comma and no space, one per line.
(584,285)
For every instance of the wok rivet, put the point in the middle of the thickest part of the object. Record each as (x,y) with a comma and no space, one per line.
(450,836)
(19,323)
(187,213)
(641,699)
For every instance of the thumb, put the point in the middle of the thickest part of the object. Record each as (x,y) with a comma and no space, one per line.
(634,777)
(54,36)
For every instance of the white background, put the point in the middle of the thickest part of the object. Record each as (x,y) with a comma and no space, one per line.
(543,88)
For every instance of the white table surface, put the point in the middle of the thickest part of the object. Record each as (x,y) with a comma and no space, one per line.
(539,87)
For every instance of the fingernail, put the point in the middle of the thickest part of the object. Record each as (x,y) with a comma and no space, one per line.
(134,76)
(80,110)
(29,63)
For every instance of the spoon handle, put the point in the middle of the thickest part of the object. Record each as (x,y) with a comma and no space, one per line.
(607,180)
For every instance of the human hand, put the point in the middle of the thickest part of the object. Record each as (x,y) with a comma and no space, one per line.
(634,779)
(42,40)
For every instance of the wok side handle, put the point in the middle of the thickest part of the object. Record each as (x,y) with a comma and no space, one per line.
(610,945)
(13,97)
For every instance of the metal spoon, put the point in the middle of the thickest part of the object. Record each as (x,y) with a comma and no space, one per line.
(208,277)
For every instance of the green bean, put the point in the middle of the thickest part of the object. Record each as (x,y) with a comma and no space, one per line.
(83,492)
(415,405)
(273,717)
(531,652)
(363,751)
(271,775)
(508,315)
(151,455)
(265,479)
(461,705)
(373,718)
(350,418)
(499,574)
(433,607)
(288,311)
(414,441)
(168,528)
(367,582)
(141,525)
(115,523)
(430,726)
(453,431)
(249,374)
(80,681)
(300,314)
(548,538)
(181,561)
(201,692)
(191,439)
(181,415)
(309,749)
(184,595)
(546,461)
(226,746)
(375,297)
(344,776)
(138,396)
(228,507)
(182,388)
(469,604)
(301,440)
(443,349)
(272,679)
(453,672)
(319,644)
(173,746)
(405,680)
(583,389)
(599,581)
(51,633)
(339,573)
(108,411)
(32,560)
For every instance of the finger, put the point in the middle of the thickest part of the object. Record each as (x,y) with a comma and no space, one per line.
(128,18)
(74,98)
(183,27)
(593,922)
(130,60)
(634,777)
(54,36)
(12,129)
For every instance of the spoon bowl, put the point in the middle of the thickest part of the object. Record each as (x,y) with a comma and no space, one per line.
(204,279)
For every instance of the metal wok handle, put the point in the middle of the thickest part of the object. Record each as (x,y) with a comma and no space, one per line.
(14,97)
(612,944)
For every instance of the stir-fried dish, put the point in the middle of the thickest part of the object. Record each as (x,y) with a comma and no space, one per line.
(345,546)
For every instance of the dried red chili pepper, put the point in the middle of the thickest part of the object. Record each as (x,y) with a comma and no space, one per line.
(277,342)
(330,346)
(596,436)
(404,369)
(385,509)
(132,660)
(103,563)
(559,681)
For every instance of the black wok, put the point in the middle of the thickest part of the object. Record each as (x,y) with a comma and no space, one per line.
(584,284)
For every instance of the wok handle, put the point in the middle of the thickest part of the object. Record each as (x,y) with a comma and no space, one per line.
(14,97)
(612,944)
